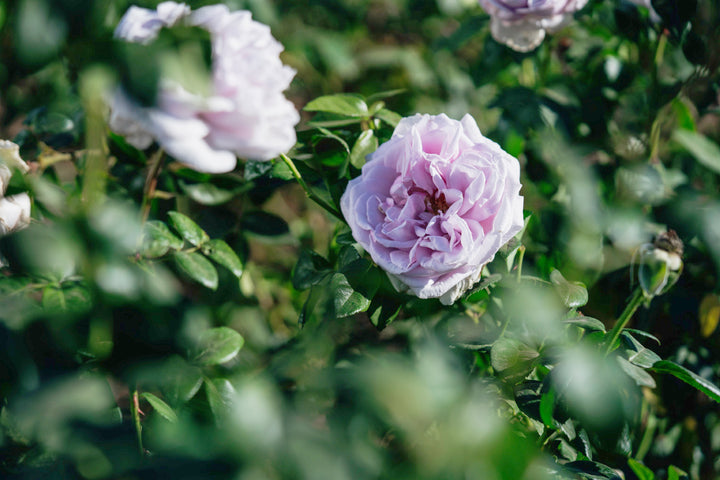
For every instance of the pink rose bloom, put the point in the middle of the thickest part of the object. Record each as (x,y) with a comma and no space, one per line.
(434,204)
(521,24)
(245,115)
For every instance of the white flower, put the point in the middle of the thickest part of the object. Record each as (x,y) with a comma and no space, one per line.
(14,213)
(245,113)
(521,24)
(9,160)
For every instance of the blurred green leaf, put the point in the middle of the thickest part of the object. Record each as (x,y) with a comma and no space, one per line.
(345,299)
(198,268)
(221,252)
(72,298)
(507,353)
(675,473)
(703,149)
(186,227)
(642,472)
(218,345)
(160,407)
(366,144)
(341,104)
(573,294)
(592,470)
(639,375)
(310,269)
(588,323)
(388,116)
(158,239)
(689,377)
(219,393)
(207,193)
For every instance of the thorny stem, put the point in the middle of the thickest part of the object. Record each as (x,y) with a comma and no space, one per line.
(135,410)
(151,183)
(625,317)
(308,191)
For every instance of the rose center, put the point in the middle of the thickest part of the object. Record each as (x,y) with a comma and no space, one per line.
(436,203)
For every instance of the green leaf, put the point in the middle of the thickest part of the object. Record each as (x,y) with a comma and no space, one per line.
(345,299)
(310,269)
(207,193)
(219,251)
(256,168)
(264,224)
(594,470)
(366,144)
(388,116)
(341,104)
(73,298)
(547,407)
(639,375)
(691,378)
(703,149)
(160,407)
(219,393)
(587,323)
(383,310)
(198,268)
(180,381)
(674,473)
(158,239)
(186,227)
(507,353)
(642,472)
(573,294)
(218,345)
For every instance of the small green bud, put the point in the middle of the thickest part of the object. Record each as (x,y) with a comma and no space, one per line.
(660,264)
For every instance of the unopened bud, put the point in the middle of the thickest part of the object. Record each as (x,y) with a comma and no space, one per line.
(660,264)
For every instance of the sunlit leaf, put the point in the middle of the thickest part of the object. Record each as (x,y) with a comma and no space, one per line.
(366,144)
(703,149)
(160,407)
(341,104)
(572,294)
(346,300)
(219,251)
(186,227)
(709,314)
(689,377)
(218,345)
(198,268)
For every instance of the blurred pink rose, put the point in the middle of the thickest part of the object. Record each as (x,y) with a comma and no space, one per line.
(434,204)
(245,114)
(521,24)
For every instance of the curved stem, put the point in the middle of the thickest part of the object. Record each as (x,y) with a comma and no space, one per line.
(151,183)
(135,409)
(625,317)
(308,191)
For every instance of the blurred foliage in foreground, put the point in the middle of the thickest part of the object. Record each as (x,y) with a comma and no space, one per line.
(239,334)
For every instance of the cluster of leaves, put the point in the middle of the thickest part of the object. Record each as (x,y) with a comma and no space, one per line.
(155,321)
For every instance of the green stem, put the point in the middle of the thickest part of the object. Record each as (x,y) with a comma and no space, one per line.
(625,317)
(135,409)
(521,256)
(308,191)
(151,183)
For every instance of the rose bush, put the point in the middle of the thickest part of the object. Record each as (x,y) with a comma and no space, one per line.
(245,114)
(521,24)
(434,204)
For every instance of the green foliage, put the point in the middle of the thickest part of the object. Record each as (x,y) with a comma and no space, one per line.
(161,322)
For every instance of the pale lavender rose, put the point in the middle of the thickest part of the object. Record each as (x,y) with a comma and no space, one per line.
(521,24)
(434,204)
(245,114)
